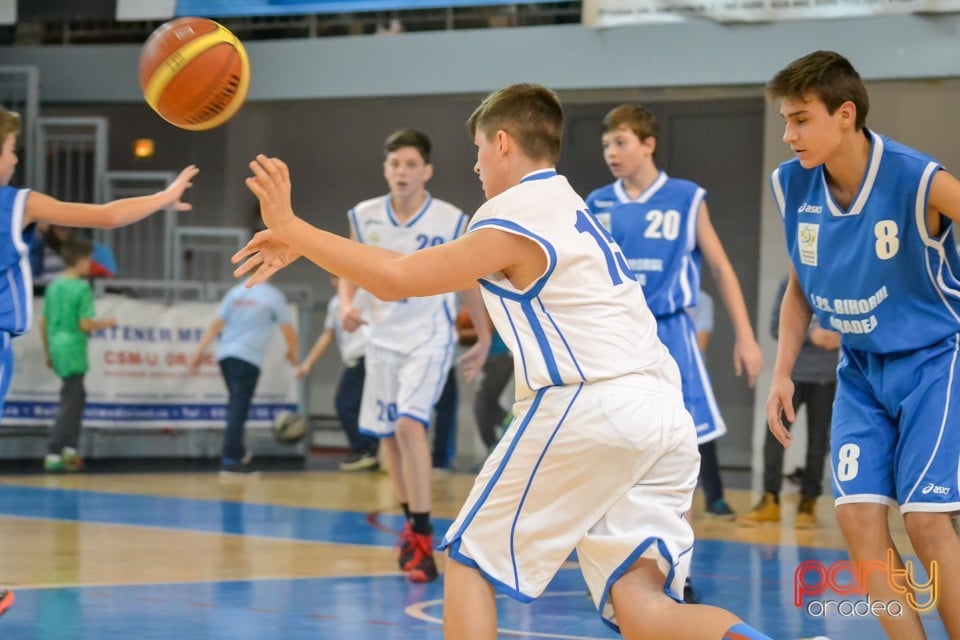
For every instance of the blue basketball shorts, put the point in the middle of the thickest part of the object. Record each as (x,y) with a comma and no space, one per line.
(6,367)
(679,336)
(896,428)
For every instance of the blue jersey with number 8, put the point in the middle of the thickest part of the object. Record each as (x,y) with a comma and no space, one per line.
(872,271)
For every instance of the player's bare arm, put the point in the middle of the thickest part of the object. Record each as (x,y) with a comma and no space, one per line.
(453,266)
(471,362)
(944,199)
(747,355)
(795,316)
(350,317)
(41,207)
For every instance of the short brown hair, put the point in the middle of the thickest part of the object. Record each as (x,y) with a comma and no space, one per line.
(74,250)
(530,113)
(9,124)
(641,122)
(408,138)
(827,75)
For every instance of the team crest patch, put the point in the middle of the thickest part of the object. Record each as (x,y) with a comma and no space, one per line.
(604,219)
(807,236)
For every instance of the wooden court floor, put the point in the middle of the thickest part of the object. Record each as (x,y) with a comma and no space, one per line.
(297,555)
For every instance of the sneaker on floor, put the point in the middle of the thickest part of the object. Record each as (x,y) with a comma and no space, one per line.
(690,595)
(6,600)
(53,463)
(359,462)
(806,514)
(405,543)
(72,462)
(766,510)
(238,468)
(720,509)
(421,567)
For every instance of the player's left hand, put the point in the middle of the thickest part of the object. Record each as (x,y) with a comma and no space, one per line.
(181,183)
(263,256)
(748,358)
(471,362)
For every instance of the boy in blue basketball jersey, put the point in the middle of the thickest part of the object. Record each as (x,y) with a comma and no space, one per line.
(663,227)
(595,387)
(869,231)
(20,209)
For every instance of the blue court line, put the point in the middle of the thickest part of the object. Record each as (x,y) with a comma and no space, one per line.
(213,516)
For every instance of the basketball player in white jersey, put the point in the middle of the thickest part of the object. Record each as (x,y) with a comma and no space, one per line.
(602,456)
(869,232)
(411,343)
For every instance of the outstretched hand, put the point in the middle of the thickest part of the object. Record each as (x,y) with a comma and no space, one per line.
(181,183)
(270,182)
(262,257)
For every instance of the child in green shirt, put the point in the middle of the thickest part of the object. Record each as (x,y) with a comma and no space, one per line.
(67,319)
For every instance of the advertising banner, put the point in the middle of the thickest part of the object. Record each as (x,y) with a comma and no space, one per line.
(139,371)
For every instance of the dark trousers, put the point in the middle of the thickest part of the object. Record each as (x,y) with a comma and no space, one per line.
(487,411)
(241,378)
(710,480)
(819,400)
(445,423)
(66,428)
(347,402)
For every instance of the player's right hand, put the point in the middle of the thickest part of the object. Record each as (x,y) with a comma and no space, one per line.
(263,256)
(195,362)
(780,406)
(351,318)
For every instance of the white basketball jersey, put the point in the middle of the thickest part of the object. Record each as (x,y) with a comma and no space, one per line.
(585,319)
(414,323)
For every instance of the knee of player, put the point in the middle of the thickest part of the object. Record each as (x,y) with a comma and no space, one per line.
(928,531)
(856,518)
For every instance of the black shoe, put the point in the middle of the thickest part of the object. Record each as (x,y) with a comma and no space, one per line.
(359,462)
(690,595)
(235,468)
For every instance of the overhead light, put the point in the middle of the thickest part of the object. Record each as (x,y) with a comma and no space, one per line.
(143,148)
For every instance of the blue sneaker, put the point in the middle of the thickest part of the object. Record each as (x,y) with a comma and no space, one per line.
(720,510)
(236,468)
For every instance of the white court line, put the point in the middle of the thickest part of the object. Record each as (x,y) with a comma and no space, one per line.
(416,610)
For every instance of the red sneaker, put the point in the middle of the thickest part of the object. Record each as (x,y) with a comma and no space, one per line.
(405,542)
(421,567)
(6,600)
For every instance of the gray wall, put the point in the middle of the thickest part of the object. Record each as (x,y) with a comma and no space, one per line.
(325,105)
(698,53)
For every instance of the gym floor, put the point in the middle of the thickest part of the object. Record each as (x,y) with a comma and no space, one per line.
(311,554)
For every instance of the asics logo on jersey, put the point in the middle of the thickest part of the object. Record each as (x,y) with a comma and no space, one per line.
(810,208)
(935,489)
(605,204)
